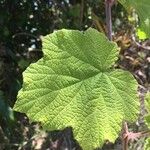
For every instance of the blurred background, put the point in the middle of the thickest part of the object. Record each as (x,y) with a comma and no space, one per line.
(22,24)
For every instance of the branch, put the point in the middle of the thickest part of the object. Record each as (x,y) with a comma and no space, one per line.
(26,34)
(139,45)
(130,136)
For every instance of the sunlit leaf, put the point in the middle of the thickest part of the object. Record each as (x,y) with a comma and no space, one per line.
(75,85)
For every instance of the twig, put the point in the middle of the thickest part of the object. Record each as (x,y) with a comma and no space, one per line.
(125,140)
(98,23)
(130,136)
(139,45)
(26,34)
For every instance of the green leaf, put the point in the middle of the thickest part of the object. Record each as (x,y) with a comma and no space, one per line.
(147,117)
(75,85)
(6,111)
(141,34)
(147,144)
(143,10)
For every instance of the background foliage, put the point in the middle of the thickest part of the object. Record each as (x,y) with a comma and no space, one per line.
(22,23)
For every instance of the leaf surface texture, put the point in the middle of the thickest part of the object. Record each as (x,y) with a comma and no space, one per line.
(75,85)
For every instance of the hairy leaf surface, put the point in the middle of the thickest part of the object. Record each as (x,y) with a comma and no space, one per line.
(147,117)
(143,11)
(75,85)
(147,120)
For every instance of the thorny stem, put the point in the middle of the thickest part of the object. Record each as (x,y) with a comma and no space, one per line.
(108,5)
(130,136)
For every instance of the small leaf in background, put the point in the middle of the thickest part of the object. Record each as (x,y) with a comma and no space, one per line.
(143,11)
(23,64)
(147,120)
(141,34)
(5,111)
(147,117)
(75,85)
(147,144)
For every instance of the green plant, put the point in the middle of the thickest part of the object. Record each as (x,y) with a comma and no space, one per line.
(147,120)
(75,84)
(142,9)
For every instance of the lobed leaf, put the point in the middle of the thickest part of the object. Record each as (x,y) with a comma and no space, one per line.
(75,85)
